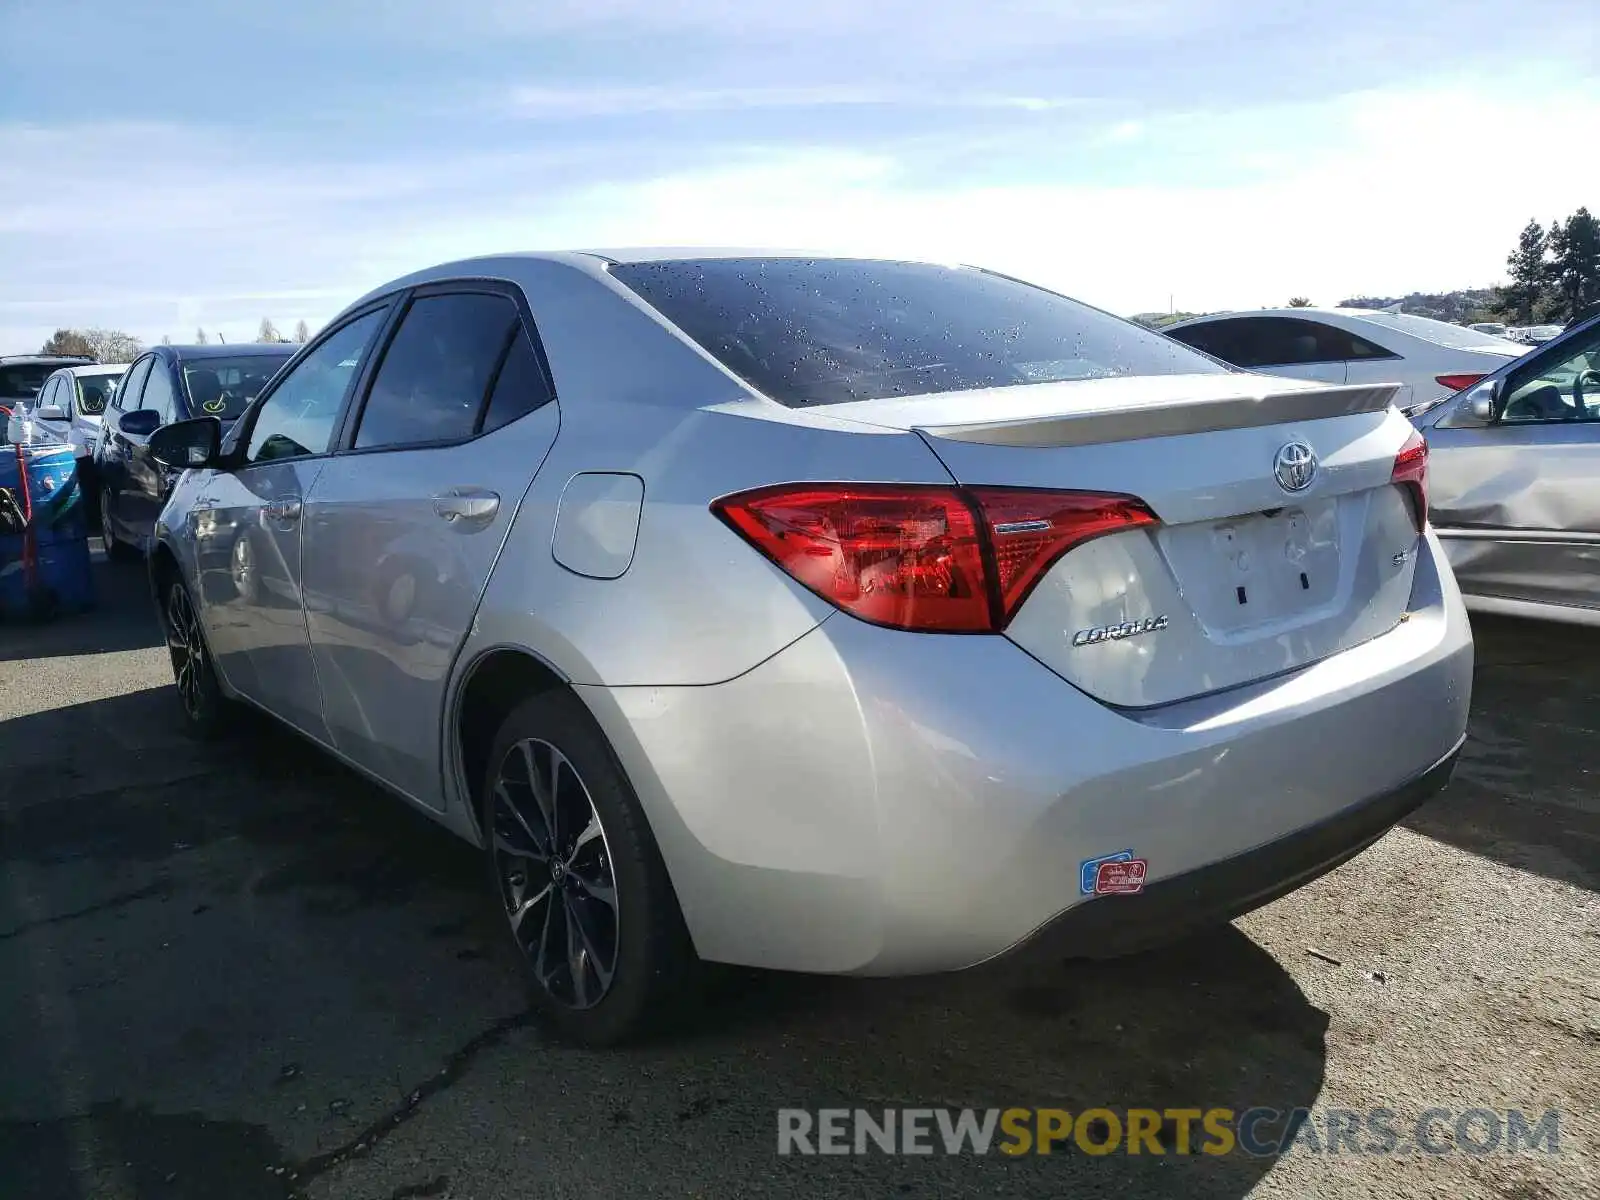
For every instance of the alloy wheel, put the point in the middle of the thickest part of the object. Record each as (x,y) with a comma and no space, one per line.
(187,650)
(554,870)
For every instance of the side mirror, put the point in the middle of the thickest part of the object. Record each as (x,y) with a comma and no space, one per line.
(141,422)
(1480,404)
(50,412)
(186,444)
(1474,410)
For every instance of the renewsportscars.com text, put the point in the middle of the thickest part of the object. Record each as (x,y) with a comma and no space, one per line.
(1213,1131)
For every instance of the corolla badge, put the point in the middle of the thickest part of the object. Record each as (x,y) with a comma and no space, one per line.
(1295,466)
(1116,633)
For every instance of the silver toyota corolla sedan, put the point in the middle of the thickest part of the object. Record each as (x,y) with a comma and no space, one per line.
(827,614)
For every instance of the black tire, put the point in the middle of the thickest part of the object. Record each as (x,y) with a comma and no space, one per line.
(653,962)
(207,713)
(116,550)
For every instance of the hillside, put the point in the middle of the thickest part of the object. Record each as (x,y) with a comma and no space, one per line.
(1463,307)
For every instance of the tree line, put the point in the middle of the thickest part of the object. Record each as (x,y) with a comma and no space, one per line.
(113,345)
(1555,272)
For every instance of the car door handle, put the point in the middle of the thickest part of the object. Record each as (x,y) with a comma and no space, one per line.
(283,510)
(466,507)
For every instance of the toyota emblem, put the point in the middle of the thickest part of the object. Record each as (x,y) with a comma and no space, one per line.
(1295,466)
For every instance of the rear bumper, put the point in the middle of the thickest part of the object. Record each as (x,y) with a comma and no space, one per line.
(875,802)
(1212,895)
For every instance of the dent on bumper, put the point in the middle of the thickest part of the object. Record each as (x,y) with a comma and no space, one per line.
(879,802)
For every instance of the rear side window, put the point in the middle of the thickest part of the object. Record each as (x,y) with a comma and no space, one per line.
(521,386)
(1252,342)
(23,381)
(435,375)
(828,331)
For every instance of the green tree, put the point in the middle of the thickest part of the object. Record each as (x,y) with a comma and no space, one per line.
(1299,302)
(1529,271)
(68,341)
(268,332)
(1575,264)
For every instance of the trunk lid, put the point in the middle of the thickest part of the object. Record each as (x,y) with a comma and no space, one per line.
(1243,578)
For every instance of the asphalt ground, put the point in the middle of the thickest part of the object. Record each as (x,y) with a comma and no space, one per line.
(237,972)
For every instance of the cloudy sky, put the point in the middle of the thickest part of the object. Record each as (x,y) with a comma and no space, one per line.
(174,163)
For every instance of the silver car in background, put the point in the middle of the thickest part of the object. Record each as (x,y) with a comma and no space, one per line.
(834,615)
(1516,482)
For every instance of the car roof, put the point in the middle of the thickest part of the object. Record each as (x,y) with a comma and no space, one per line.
(65,360)
(592,262)
(88,369)
(227,350)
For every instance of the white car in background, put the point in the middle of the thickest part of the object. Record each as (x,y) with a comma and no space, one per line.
(72,400)
(1429,359)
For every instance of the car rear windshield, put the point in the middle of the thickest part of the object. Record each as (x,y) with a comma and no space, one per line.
(828,331)
(1440,333)
(224,387)
(22,381)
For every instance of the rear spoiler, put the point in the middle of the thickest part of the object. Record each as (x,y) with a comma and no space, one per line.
(1170,418)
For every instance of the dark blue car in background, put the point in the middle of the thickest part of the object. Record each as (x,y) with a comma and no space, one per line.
(163,385)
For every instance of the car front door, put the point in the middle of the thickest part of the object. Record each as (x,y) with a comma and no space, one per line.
(1517,501)
(404,524)
(250,521)
(114,450)
(148,482)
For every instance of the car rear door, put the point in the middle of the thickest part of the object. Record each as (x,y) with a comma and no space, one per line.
(1517,501)
(404,525)
(249,526)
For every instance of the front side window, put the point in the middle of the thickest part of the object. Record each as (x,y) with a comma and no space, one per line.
(298,417)
(436,371)
(224,387)
(127,397)
(1563,386)
(158,393)
(829,331)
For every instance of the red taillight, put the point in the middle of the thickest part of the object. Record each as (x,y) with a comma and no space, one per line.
(1457,383)
(1029,530)
(928,558)
(1411,471)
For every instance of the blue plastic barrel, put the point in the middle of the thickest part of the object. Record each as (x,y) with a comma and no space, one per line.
(61,580)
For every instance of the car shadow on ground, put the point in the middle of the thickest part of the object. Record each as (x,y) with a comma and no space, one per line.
(1523,792)
(219,961)
(123,618)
